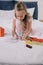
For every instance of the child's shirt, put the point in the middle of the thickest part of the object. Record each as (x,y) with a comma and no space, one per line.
(19,27)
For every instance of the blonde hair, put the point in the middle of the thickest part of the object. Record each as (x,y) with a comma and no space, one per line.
(20,6)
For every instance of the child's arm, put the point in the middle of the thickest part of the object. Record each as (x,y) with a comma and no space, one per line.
(28,30)
(14,30)
(13,27)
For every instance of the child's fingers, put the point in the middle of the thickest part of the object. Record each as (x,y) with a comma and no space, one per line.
(23,38)
(15,37)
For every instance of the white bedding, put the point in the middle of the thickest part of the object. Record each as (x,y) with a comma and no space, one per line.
(15,51)
(37,29)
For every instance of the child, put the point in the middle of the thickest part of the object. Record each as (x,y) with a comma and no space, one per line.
(22,22)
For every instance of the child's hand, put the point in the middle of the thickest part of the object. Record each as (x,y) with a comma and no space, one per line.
(23,38)
(20,38)
(15,36)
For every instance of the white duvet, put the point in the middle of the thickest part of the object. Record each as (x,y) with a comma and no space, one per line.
(15,51)
(37,29)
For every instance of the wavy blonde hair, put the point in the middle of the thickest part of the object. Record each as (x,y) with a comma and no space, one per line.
(21,6)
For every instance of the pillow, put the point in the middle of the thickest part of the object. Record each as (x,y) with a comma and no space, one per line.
(6,14)
(10,14)
(31,11)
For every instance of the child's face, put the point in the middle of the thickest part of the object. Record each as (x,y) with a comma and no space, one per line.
(20,15)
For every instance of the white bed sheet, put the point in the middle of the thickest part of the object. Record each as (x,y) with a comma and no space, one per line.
(15,51)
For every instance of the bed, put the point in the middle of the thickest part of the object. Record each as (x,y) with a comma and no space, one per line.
(15,52)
